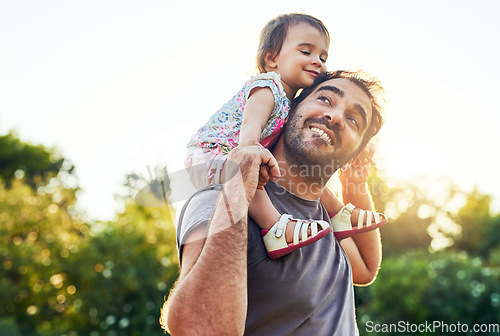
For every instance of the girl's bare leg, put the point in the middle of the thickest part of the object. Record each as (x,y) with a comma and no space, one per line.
(262,210)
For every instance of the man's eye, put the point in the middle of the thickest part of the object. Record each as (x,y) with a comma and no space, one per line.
(324,99)
(354,121)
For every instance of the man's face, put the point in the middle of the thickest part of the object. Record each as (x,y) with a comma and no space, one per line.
(327,127)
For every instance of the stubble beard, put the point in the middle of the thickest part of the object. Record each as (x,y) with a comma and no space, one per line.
(305,159)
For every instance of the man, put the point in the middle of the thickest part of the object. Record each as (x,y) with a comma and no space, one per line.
(228,285)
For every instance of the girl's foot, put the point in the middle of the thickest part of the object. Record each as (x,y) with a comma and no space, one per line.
(350,220)
(289,234)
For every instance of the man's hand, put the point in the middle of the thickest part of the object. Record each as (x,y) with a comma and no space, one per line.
(359,168)
(210,296)
(252,159)
(364,249)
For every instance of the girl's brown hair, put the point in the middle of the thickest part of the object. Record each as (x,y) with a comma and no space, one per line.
(274,33)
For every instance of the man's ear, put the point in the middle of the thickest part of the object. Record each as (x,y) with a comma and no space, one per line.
(270,60)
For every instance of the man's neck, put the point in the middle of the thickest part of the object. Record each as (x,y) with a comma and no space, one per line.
(294,179)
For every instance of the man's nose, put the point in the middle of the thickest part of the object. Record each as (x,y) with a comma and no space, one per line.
(335,116)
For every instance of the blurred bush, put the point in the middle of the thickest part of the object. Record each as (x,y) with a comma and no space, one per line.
(420,287)
(441,259)
(64,274)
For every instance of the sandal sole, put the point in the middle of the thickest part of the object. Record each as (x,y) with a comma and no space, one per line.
(281,252)
(348,233)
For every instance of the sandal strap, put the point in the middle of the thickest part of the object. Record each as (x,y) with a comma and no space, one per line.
(347,210)
(314,225)
(361,217)
(296,231)
(324,225)
(314,228)
(303,230)
(281,225)
(301,227)
(369,216)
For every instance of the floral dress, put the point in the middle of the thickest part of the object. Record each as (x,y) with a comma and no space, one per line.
(221,133)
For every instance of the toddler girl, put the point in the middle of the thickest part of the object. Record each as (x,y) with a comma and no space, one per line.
(292,52)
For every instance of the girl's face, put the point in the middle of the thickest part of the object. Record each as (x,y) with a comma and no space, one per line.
(301,59)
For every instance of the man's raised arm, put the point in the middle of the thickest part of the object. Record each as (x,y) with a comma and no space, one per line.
(210,296)
(364,249)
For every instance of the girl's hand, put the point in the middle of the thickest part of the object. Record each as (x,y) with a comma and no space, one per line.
(242,168)
(263,177)
(359,167)
(268,171)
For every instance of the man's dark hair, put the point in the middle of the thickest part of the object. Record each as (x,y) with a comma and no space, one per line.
(369,84)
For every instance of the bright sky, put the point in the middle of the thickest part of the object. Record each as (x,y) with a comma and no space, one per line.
(119,85)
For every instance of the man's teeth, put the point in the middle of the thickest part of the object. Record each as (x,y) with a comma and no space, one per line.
(322,135)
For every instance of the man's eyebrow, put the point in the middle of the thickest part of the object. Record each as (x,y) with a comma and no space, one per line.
(333,89)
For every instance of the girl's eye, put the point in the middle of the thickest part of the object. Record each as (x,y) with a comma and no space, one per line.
(306,52)
(322,59)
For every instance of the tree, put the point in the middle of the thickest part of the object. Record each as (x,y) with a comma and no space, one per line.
(401,201)
(123,273)
(419,287)
(38,236)
(64,274)
(479,232)
(33,163)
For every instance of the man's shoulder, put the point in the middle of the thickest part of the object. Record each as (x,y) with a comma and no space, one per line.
(200,202)
(196,213)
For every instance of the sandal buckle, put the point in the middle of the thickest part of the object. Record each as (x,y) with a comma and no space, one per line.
(278,233)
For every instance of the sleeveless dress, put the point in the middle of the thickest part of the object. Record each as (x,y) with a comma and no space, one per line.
(209,146)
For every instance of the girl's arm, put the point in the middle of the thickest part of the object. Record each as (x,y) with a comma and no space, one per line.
(364,249)
(257,111)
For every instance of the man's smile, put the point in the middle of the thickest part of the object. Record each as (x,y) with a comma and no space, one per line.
(322,134)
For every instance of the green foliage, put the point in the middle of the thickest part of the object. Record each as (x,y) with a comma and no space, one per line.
(420,287)
(459,284)
(402,202)
(35,163)
(62,275)
(124,272)
(480,232)
(8,327)
(38,236)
